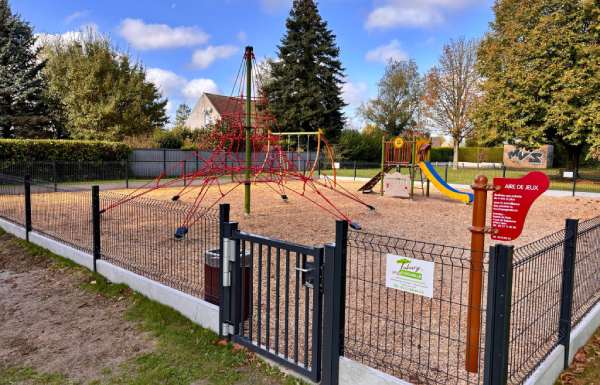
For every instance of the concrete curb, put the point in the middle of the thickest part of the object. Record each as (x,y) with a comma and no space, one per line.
(552,366)
(355,373)
(79,257)
(549,369)
(11,228)
(198,311)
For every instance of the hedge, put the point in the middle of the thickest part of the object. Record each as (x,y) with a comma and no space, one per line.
(61,150)
(441,154)
(480,154)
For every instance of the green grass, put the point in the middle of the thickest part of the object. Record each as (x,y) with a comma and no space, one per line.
(184,352)
(12,376)
(467,175)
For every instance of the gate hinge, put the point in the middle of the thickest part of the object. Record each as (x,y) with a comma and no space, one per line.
(226,278)
(227,329)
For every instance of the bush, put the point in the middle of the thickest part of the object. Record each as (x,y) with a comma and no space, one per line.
(168,139)
(441,154)
(18,150)
(354,145)
(480,154)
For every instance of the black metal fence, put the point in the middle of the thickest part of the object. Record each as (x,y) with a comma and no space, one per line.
(556,281)
(138,236)
(275,305)
(305,306)
(410,336)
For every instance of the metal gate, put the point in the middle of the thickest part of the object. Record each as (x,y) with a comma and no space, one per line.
(272,298)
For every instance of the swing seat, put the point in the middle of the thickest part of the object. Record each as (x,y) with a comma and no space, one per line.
(181,232)
(355,225)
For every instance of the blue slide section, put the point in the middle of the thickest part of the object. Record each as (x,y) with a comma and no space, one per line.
(442,186)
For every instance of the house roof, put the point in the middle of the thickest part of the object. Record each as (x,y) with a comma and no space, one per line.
(227,105)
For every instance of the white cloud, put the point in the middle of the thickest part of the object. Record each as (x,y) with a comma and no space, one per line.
(168,82)
(76,15)
(69,36)
(203,58)
(196,87)
(385,53)
(413,13)
(241,36)
(173,86)
(156,36)
(354,94)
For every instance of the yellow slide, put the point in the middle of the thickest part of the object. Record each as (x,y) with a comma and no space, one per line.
(442,186)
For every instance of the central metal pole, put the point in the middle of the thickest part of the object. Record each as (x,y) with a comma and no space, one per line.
(248,57)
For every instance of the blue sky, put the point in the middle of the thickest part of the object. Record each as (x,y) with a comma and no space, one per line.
(191,46)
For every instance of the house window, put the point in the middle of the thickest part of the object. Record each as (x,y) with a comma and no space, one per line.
(207,117)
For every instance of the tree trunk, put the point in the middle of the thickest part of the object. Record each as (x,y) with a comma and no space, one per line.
(574,154)
(455,155)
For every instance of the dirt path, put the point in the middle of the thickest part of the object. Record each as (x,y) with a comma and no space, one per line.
(52,325)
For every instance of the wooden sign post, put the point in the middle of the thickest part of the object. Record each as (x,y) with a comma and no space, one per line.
(510,204)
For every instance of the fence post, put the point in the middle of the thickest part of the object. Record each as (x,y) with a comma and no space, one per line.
(54,176)
(574,182)
(334,288)
(27,187)
(503,171)
(498,315)
(446,173)
(224,209)
(567,286)
(96,224)
(127,173)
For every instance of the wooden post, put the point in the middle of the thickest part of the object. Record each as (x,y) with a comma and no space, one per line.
(476,273)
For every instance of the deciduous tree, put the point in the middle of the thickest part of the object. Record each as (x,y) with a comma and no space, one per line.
(102,93)
(396,107)
(452,89)
(541,62)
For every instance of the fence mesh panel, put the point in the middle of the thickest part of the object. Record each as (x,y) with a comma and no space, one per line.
(12,199)
(65,215)
(535,306)
(587,269)
(139,236)
(412,337)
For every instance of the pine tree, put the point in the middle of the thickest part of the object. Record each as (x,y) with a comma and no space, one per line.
(304,90)
(542,70)
(23,109)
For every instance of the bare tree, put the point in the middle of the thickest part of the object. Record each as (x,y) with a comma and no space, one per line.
(452,89)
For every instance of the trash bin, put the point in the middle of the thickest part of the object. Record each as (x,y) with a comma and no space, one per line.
(212,288)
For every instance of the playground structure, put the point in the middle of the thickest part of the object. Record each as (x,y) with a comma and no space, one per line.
(245,147)
(412,152)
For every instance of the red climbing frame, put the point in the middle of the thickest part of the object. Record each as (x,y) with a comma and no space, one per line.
(225,168)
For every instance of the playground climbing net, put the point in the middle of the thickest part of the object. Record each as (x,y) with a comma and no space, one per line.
(245,151)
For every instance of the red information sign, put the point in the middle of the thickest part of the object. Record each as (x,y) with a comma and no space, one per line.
(512,201)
